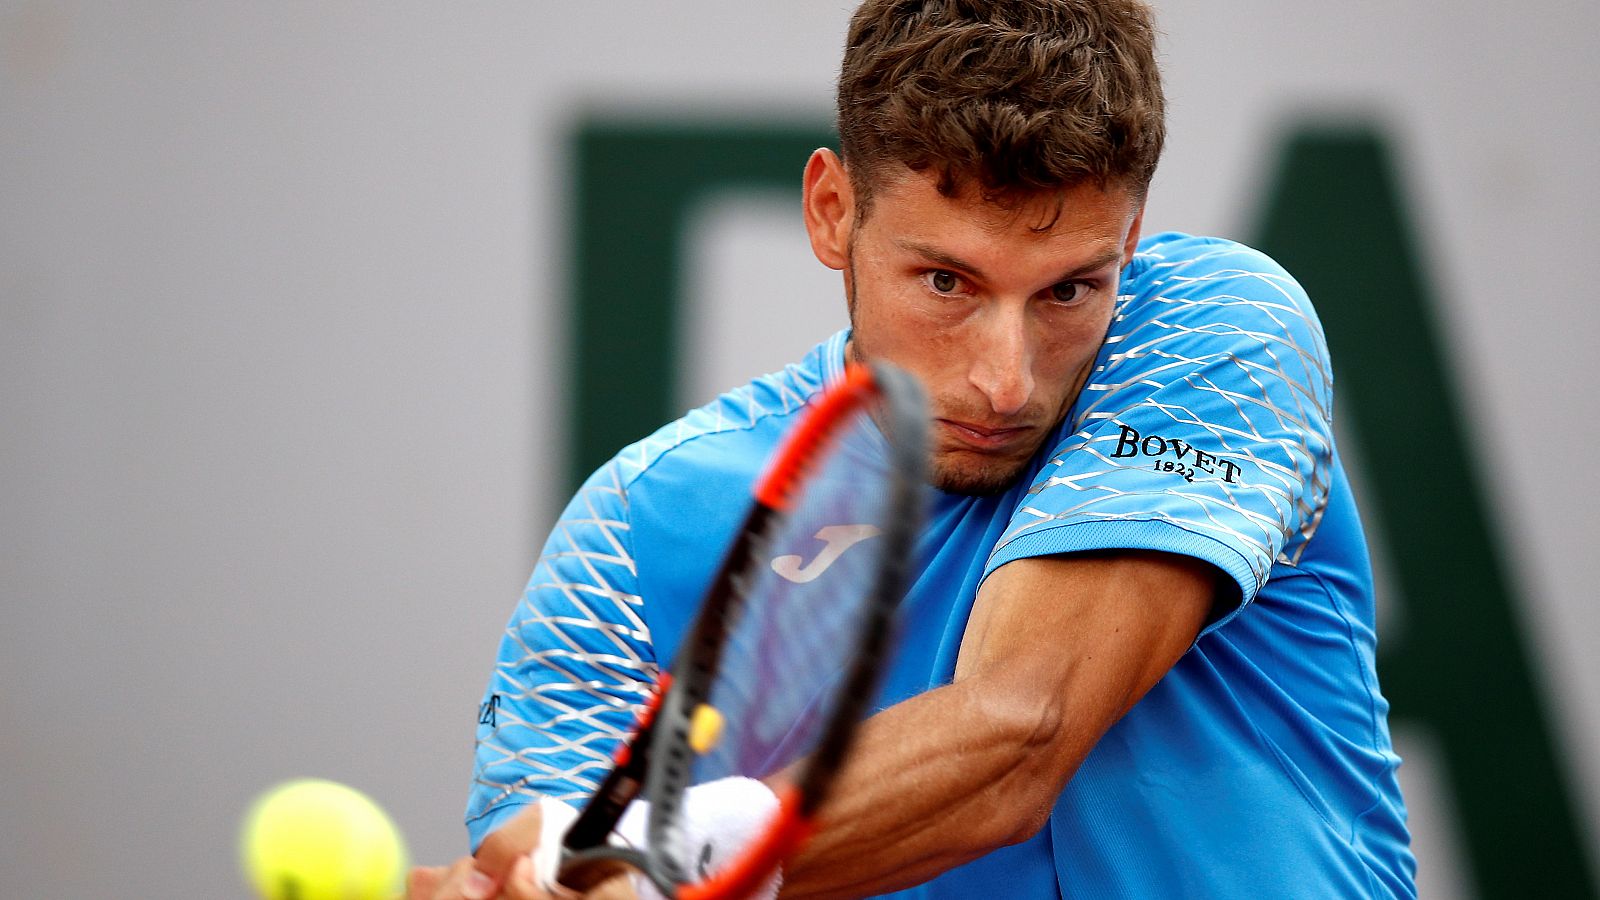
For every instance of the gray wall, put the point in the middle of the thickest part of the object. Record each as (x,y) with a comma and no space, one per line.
(281,293)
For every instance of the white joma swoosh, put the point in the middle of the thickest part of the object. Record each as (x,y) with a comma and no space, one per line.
(837,538)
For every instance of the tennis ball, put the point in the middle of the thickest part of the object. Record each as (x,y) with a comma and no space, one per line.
(319,840)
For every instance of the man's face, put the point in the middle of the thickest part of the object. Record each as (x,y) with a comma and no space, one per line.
(999,317)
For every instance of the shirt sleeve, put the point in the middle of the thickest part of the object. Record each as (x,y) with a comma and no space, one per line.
(1205,428)
(575,663)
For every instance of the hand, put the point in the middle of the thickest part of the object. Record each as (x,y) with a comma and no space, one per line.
(459,881)
(463,880)
(502,870)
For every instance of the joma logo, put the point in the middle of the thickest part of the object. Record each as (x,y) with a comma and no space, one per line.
(1188,460)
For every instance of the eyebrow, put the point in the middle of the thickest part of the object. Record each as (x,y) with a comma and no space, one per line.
(934,254)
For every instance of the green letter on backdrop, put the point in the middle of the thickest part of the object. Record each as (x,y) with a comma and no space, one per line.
(1335,219)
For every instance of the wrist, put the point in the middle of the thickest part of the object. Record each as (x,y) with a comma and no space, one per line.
(719,820)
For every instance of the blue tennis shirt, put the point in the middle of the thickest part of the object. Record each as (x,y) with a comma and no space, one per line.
(1260,765)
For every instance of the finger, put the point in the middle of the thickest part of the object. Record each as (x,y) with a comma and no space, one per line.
(618,888)
(423,881)
(509,843)
(463,881)
(520,883)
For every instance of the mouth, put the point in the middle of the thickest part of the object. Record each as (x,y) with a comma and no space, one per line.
(985,437)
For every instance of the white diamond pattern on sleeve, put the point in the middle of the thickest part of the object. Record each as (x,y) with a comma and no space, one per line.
(575,661)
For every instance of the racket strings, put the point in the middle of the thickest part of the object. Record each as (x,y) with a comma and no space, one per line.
(812,574)
(786,651)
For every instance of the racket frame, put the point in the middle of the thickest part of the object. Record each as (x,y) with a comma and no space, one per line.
(658,759)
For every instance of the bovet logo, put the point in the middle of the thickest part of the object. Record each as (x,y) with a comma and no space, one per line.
(1185,459)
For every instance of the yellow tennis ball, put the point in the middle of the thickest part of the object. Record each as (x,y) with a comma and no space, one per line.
(319,840)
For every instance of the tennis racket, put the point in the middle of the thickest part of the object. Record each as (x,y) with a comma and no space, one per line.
(783,658)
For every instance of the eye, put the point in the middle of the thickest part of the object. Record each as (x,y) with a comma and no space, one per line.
(1068,291)
(942,282)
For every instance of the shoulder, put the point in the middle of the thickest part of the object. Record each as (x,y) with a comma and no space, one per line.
(683,490)
(707,457)
(1211,279)
(1185,298)
(1162,257)
(729,435)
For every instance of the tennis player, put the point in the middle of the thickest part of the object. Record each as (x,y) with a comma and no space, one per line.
(1138,660)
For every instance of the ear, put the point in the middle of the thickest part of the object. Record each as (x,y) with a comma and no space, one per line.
(830,208)
(1131,245)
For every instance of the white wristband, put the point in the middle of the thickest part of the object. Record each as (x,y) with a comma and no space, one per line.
(555,817)
(719,819)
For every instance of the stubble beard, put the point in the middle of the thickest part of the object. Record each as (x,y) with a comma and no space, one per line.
(997,477)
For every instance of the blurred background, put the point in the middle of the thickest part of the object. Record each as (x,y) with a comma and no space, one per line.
(297,317)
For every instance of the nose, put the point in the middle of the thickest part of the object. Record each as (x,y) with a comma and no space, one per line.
(1002,363)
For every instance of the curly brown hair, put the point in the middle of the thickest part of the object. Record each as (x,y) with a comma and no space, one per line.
(1020,96)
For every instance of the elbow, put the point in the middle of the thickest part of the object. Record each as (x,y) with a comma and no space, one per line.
(1015,825)
(1033,766)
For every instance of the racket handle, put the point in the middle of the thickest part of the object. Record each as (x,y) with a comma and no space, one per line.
(600,816)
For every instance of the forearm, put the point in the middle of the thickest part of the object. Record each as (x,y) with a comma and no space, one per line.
(950,775)
(932,783)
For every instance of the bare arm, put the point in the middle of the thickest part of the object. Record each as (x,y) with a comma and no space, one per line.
(1057,650)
